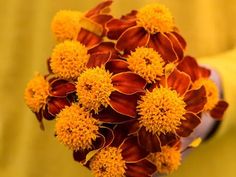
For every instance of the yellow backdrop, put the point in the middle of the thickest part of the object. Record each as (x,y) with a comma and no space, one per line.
(25,43)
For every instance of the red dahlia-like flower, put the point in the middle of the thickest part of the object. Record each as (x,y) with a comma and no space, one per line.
(152,26)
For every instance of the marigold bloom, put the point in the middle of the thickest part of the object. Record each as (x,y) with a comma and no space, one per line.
(70,58)
(123,157)
(46,96)
(201,76)
(151,26)
(75,25)
(98,89)
(168,111)
(76,128)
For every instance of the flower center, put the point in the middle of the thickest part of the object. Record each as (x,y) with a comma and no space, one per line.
(108,162)
(161,111)
(155,18)
(36,93)
(147,63)
(212,92)
(69,59)
(66,25)
(94,87)
(167,161)
(75,128)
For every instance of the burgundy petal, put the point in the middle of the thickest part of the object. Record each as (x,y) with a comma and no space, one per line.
(187,125)
(176,45)
(168,138)
(117,66)
(98,59)
(101,19)
(189,65)
(47,115)
(163,46)
(195,100)
(108,115)
(124,104)
(80,156)
(128,83)
(180,39)
(61,87)
(131,151)
(218,111)
(132,38)
(143,168)
(100,8)
(55,105)
(204,72)
(120,134)
(116,27)
(179,81)
(108,135)
(149,141)
(88,38)
(105,47)
(130,16)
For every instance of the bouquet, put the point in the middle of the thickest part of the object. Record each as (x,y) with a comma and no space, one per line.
(122,92)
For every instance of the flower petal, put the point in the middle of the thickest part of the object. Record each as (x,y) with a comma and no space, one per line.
(117,66)
(105,47)
(195,100)
(80,156)
(189,65)
(88,38)
(163,46)
(148,141)
(180,39)
(128,83)
(131,151)
(178,81)
(204,72)
(179,50)
(143,168)
(108,135)
(130,16)
(101,19)
(61,87)
(132,38)
(39,117)
(55,105)
(100,8)
(168,138)
(218,111)
(187,125)
(124,104)
(47,115)
(108,115)
(120,134)
(98,59)
(116,27)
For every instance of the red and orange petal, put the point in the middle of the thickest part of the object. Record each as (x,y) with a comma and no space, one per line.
(190,66)
(104,139)
(195,100)
(178,81)
(218,111)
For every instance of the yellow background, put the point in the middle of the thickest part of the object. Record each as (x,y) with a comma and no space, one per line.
(26,41)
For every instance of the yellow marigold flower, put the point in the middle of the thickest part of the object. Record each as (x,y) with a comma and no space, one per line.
(168,160)
(147,63)
(69,59)
(66,24)
(76,128)
(108,163)
(161,111)
(36,93)
(155,18)
(212,92)
(94,87)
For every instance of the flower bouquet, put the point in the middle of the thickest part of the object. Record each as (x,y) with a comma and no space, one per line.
(122,92)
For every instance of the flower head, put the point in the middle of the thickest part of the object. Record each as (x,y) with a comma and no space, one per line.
(200,76)
(69,59)
(76,128)
(155,18)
